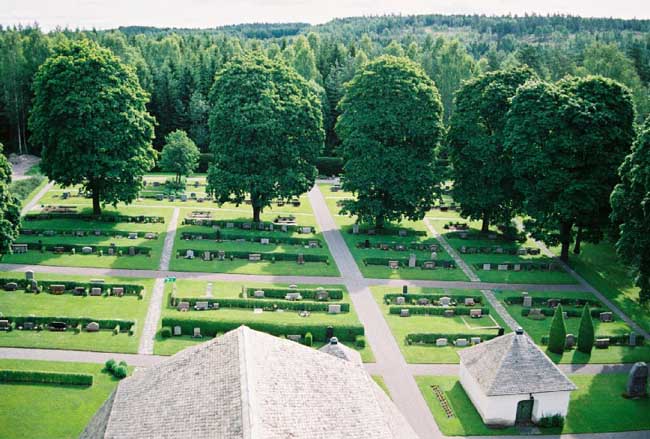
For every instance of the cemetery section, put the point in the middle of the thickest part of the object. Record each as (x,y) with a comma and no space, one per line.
(430,325)
(52,311)
(194,311)
(615,341)
(227,241)
(32,408)
(399,251)
(596,406)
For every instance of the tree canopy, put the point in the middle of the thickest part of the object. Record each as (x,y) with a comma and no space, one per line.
(179,155)
(566,141)
(390,127)
(631,209)
(89,114)
(266,130)
(9,207)
(481,166)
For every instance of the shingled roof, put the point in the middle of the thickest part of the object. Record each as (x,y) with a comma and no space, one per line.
(513,364)
(247,384)
(341,351)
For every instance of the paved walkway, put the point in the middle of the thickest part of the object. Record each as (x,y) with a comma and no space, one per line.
(34,201)
(452,252)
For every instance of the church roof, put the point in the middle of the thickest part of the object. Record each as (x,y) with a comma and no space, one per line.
(341,351)
(513,364)
(248,384)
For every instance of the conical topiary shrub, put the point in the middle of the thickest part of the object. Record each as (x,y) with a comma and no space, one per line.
(557,335)
(586,334)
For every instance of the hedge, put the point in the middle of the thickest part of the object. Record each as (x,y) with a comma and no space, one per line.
(225,236)
(404,262)
(519,300)
(43,377)
(549,312)
(110,324)
(266,225)
(129,289)
(616,340)
(265,256)
(389,231)
(430,338)
(525,266)
(210,328)
(280,293)
(98,218)
(86,232)
(329,166)
(390,298)
(262,303)
(96,248)
(435,310)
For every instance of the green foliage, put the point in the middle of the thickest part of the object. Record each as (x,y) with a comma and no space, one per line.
(434,310)
(482,167)
(22,188)
(390,127)
(43,377)
(329,166)
(266,130)
(166,332)
(110,365)
(557,333)
(360,341)
(430,338)
(309,339)
(631,211)
(120,372)
(9,207)
(554,421)
(179,155)
(89,114)
(586,333)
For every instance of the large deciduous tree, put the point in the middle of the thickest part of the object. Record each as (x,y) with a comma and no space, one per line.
(390,127)
(266,130)
(482,167)
(179,155)
(89,114)
(631,209)
(9,207)
(566,141)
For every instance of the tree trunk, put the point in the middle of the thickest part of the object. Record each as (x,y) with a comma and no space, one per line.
(379,222)
(486,223)
(576,246)
(97,208)
(256,213)
(565,240)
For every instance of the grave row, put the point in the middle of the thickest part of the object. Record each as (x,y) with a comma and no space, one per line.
(220,236)
(433,310)
(259,305)
(144,219)
(421,246)
(7,323)
(247,225)
(498,250)
(431,299)
(87,232)
(94,288)
(222,255)
(318,294)
(410,262)
(99,250)
(440,340)
(528,301)
(605,341)
(518,266)
(601,314)
(358,230)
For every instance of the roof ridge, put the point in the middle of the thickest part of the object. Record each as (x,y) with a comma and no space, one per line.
(502,359)
(244,378)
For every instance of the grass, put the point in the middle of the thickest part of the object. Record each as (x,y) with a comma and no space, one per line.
(539,328)
(384,272)
(78,260)
(381,383)
(596,407)
(51,411)
(44,304)
(191,288)
(401,326)
(25,189)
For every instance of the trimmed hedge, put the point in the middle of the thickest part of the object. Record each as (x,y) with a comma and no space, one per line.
(329,166)
(360,341)
(525,266)
(390,298)
(129,289)
(519,300)
(306,293)
(98,218)
(265,256)
(96,248)
(208,222)
(261,303)
(430,338)
(44,377)
(86,232)
(404,262)
(388,231)
(210,328)
(221,236)
(435,310)
(549,312)
(614,340)
(110,324)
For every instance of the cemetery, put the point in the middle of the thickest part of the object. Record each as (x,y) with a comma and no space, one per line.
(52,409)
(431,325)
(217,240)
(195,310)
(72,312)
(615,341)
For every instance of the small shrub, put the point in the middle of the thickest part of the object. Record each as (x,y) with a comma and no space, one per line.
(116,330)
(120,372)
(309,339)
(360,341)
(554,421)
(166,332)
(110,365)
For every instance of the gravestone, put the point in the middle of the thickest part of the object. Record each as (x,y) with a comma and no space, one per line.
(322,295)
(405,289)
(92,327)
(79,291)
(183,306)
(412,260)
(449,313)
(201,306)
(393,265)
(177,330)
(423,302)
(487,267)
(118,291)
(172,198)
(254,257)
(19,248)
(95,291)
(301,259)
(29,275)
(334,309)
(133,235)
(111,251)
(528,301)
(259,294)
(469,301)
(475,340)
(189,254)
(207,256)
(428,265)
(355,229)
(606,316)
(306,230)
(264,241)
(475,313)
(441,342)
(293,296)
(434,256)
(28,326)
(570,341)
(404,312)
(312,243)
(131,251)
(502,267)
(197,333)
(535,312)
(11,286)
(461,342)
(57,289)
(294,337)
(522,251)
(160,197)
(284,228)
(400,300)
(33,285)
(445,301)
(637,381)
(183,197)
(246,226)
(86,250)
(602,343)
(517,267)
(221,255)
(552,303)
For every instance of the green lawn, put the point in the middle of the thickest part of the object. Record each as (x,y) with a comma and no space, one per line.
(597,406)
(191,288)
(19,303)
(600,266)
(539,328)
(51,411)
(381,383)
(94,260)
(401,326)
(380,271)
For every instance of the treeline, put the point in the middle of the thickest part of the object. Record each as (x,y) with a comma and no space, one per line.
(176,67)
